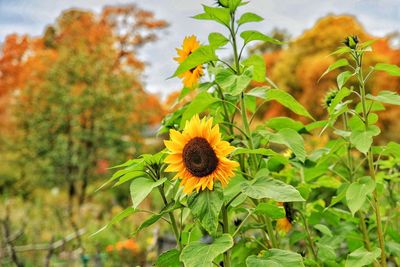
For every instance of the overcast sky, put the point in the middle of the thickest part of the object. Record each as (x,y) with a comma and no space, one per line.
(31,16)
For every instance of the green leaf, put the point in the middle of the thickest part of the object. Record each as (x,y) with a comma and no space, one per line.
(342,78)
(141,187)
(343,92)
(169,258)
(340,63)
(326,252)
(251,104)
(200,56)
(217,40)
(357,193)
(362,139)
(291,139)
(362,257)
(233,188)
(323,229)
(120,216)
(155,217)
(206,206)
(282,97)
(249,17)
(279,123)
(387,97)
(249,36)
(133,165)
(271,210)
(275,258)
(259,69)
(232,83)
(260,151)
(202,255)
(220,15)
(202,101)
(264,187)
(388,68)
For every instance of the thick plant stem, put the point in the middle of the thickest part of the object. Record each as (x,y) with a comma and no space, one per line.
(227,254)
(371,167)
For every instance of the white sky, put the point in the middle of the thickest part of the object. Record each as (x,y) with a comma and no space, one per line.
(31,16)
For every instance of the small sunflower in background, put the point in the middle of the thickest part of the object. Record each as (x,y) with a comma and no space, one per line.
(285,224)
(198,156)
(190,77)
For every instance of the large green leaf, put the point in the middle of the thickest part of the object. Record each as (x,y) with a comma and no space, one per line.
(220,15)
(217,40)
(388,68)
(201,102)
(342,78)
(271,210)
(275,258)
(279,123)
(119,217)
(206,206)
(249,17)
(169,258)
(232,83)
(362,257)
(291,139)
(340,95)
(259,68)
(261,151)
(340,63)
(357,193)
(387,97)
(141,187)
(249,36)
(362,139)
(202,255)
(155,217)
(200,56)
(264,187)
(282,97)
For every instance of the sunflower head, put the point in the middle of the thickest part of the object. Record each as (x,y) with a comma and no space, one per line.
(198,156)
(189,77)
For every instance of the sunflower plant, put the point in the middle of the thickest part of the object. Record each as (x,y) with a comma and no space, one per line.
(237,193)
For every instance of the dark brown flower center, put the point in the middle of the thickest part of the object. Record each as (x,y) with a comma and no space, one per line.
(199,157)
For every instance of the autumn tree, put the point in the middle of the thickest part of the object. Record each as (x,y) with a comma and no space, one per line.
(82,101)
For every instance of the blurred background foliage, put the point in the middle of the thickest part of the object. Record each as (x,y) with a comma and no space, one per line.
(73,104)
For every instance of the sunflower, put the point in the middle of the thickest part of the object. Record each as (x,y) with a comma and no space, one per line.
(198,156)
(190,77)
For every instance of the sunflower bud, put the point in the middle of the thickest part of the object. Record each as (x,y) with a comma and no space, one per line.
(329,98)
(351,41)
(222,3)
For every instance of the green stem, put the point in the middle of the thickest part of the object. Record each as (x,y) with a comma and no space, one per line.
(227,254)
(271,232)
(360,214)
(172,218)
(309,238)
(370,159)
(221,95)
